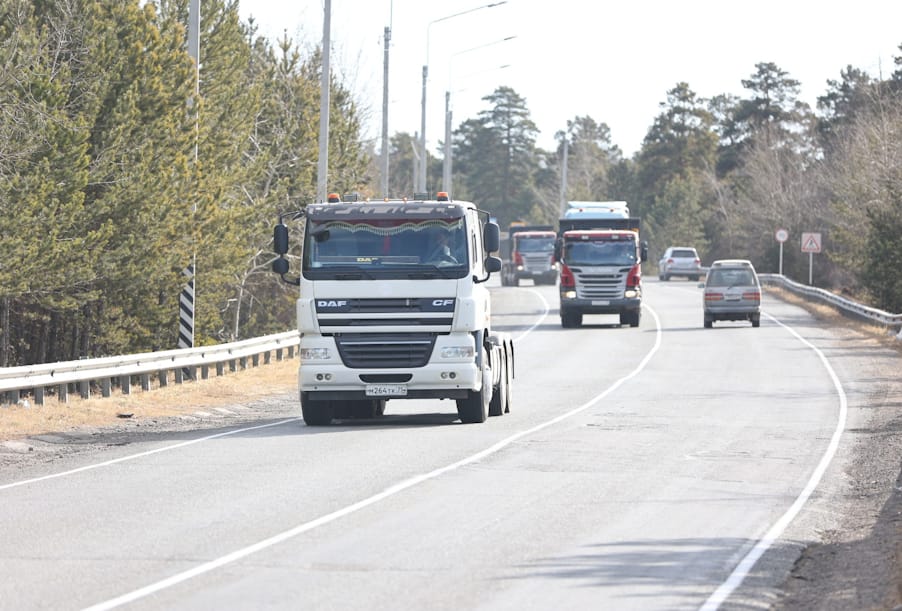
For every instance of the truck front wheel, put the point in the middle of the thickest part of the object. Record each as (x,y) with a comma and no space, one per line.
(474,408)
(315,413)
(630,317)
(570,319)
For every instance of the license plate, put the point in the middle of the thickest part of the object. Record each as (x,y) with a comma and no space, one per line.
(386,390)
(600,302)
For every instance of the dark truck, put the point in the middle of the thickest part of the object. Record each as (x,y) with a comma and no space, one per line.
(601,269)
(528,252)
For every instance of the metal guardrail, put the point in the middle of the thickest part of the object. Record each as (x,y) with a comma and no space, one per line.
(88,374)
(845,306)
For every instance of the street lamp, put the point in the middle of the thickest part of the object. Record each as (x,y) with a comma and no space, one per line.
(446,163)
(421,186)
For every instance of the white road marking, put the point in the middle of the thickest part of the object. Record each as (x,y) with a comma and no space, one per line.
(388,492)
(142,454)
(745,565)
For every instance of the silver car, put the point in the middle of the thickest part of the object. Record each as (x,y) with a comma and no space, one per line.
(680,261)
(732,292)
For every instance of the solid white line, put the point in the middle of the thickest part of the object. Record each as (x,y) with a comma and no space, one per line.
(142,454)
(546,308)
(745,565)
(390,491)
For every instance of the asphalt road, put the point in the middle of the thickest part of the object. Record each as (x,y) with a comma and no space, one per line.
(659,467)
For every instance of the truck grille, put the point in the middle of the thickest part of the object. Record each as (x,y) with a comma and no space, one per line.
(384,350)
(608,284)
(538,262)
(334,315)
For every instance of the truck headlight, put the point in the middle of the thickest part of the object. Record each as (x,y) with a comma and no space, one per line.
(569,294)
(314,354)
(458,352)
(630,294)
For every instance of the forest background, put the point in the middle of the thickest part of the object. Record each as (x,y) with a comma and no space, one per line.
(114,175)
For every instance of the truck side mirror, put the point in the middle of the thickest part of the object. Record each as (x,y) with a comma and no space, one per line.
(492,265)
(557,250)
(280,266)
(491,238)
(643,251)
(280,239)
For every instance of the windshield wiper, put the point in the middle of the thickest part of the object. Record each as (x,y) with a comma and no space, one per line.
(345,272)
(431,272)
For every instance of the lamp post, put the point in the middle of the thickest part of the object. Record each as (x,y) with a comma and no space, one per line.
(446,163)
(323,165)
(421,183)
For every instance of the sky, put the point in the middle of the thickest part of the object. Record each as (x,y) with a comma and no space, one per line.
(611,61)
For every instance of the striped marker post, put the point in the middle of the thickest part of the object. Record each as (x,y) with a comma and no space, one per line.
(186,316)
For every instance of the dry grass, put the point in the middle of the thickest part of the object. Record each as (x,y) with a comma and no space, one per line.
(825,312)
(233,388)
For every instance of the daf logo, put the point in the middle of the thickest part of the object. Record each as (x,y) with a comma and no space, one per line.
(440,303)
(331,303)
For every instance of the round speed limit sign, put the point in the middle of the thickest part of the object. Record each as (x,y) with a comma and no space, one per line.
(782,235)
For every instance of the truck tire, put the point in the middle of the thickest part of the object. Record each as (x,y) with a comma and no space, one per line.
(570,319)
(366,408)
(498,402)
(510,392)
(630,317)
(315,413)
(474,408)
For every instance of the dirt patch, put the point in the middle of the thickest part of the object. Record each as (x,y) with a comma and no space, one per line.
(859,564)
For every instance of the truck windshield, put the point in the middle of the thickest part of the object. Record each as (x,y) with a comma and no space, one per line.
(536,244)
(385,248)
(600,252)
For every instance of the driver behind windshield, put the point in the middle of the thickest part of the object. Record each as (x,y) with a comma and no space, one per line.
(439,249)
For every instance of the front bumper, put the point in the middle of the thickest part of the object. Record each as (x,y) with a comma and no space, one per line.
(330,378)
(600,306)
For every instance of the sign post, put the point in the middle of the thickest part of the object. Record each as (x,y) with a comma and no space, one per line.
(782,235)
(811,243)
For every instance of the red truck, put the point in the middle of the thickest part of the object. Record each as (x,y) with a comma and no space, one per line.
(601,269)
(528,253)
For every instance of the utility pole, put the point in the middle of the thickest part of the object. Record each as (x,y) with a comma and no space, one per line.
(446,166)
(385,180)
(566,144)
(187,295)
(323,166)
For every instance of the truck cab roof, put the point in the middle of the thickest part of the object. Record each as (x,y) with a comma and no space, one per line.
(536,234)
(591,234)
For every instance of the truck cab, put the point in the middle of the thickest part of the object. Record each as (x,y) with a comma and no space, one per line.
(528,253)
(601,269)
(393,305)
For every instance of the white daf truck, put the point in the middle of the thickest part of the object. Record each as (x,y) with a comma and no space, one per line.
(393,304)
